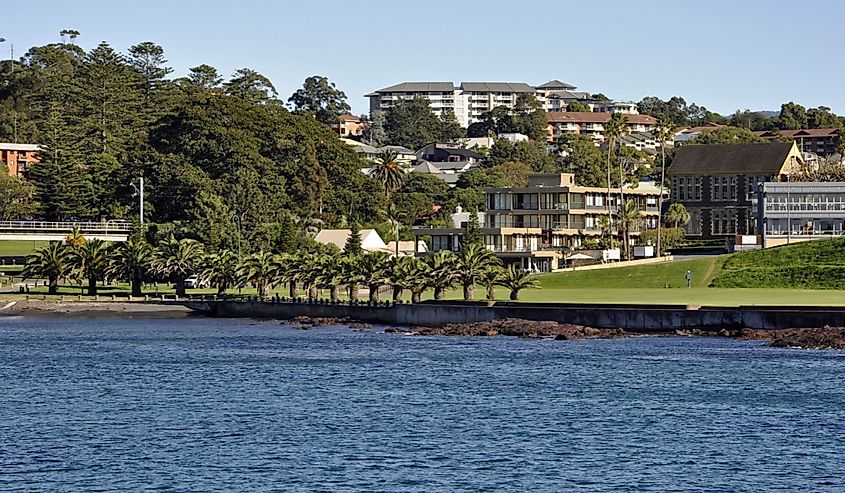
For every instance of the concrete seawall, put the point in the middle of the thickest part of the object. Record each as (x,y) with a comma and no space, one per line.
(634,318)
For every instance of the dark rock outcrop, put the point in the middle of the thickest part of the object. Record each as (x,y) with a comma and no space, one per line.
(525,329)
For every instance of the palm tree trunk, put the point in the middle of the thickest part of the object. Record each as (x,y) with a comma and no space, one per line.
(353,292)
(514,294)
(373,294)
(263,290)
(54,285)
(416,296)
(491,293)
(397,293)
(335,293)
(221,290)
(293,289)
(180,286)
(439,293)
(92,286)
(468,291)
(136,285)
(312,292)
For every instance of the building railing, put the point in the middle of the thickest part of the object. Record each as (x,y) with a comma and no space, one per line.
(67,226)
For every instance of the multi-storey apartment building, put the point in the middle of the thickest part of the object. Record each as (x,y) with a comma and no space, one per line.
(18,157)
(821,141)
(792,212)
(470,100)
(717,183)
(592,123)
(535,226)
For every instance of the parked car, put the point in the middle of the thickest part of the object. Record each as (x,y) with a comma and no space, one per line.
(193,281)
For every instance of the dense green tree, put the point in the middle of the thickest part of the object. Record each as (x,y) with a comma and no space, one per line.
(727,135)
(375,269)
(205,76)
(576,106)
(63,190)
(412,124)
(249,85)
(678,112)
(322,98)
(442,272)
(449,129)
(17,197)
(582,157)
(677,215)
(389,171)
(375,133)
(221,269)
(472,231)
(353,242)
(532,153)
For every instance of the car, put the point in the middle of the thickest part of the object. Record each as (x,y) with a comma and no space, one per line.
(194,281)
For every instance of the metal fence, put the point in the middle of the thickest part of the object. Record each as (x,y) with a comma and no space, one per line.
(66,226)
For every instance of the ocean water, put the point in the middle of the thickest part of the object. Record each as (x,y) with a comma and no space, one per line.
(232,405)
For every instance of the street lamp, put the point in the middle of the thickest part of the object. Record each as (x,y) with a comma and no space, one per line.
(236,220)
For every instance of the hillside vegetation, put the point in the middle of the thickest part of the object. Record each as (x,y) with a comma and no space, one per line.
(810,265)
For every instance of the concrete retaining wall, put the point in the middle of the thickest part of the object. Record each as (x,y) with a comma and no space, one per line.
(632,318)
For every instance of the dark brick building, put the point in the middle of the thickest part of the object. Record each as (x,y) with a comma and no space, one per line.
(716,183)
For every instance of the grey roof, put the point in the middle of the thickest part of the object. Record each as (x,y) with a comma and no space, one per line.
(555,84)
(730,159)
(569,95)
(419,87)
(451,164)
(497,87)
(398,149)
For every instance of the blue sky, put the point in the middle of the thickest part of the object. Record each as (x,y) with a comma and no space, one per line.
(725,55)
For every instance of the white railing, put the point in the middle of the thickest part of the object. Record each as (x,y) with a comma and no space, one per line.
(112,226)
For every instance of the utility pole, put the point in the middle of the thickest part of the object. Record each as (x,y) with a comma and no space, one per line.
(142,202)
(140,191)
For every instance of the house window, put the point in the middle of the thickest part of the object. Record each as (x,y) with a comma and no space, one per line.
(723,221)
(724,188)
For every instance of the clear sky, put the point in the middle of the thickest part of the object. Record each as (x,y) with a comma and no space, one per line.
(725,55)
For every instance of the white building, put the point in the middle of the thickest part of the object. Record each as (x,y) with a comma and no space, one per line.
(370,239)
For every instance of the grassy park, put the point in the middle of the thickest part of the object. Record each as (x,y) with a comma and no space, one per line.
(802,274)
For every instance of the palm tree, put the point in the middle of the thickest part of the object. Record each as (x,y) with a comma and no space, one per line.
(260,270)
(130,261)
(664,132)
(221,270)
(615,127)
(389,171)
(75,238)
(176,259)
(374,269)
(470,265)
(677,215)
(331,275)
(629,216)
(441,270)
(51,261)
(310,269)
(289,270)
(516,279)
(490,280)
(400,272)
(90,261)
(418,278)
(352,275)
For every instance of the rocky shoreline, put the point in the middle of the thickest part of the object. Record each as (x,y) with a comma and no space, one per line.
(807,338)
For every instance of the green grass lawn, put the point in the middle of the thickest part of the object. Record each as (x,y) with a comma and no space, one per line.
(672,274)
(19,248)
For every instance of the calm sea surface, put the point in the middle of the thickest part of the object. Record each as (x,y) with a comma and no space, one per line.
(226,405)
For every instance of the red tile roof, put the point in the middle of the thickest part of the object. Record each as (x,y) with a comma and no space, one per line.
(595,117)
(348,118)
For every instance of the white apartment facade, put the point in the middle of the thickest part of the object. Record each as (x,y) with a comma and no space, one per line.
(470,100)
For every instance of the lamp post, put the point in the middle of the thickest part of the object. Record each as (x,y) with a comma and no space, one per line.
(237,222)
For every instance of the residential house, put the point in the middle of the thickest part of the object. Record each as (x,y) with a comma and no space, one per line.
(716,183)
(820,141)
(535,226)
(370,239)
(348,126)
(793,212)
(592,124)
(18,157)
(447,153)
(687,134)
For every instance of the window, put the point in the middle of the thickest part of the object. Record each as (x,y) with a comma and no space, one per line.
(723,221)
(724,188)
